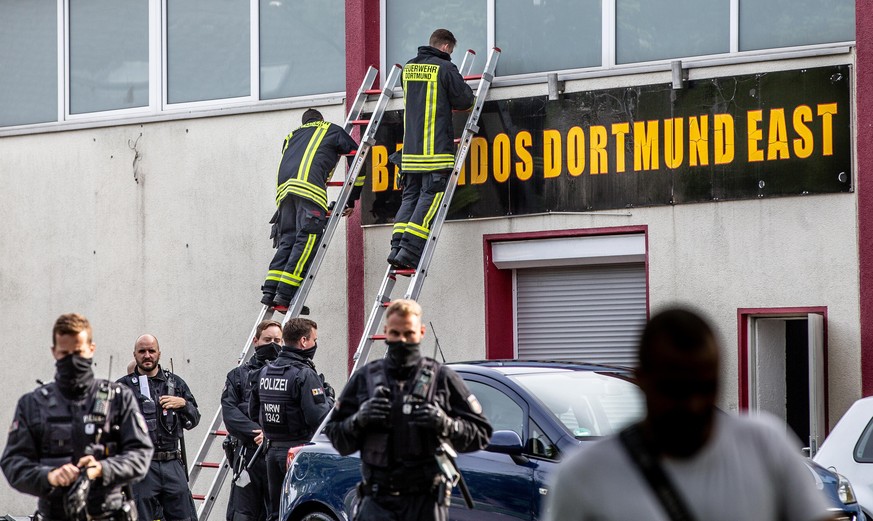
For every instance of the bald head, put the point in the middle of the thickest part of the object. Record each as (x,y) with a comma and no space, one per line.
(147,354)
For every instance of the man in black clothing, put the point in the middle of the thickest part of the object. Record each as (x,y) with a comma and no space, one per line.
(289,400)
(397,411)
(309,156)
(248,502)
(169,408)
(76,424)
(432,88)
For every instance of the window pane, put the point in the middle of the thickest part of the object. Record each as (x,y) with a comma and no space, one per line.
(29,61)
(548,35)
(109,55)
(768,24)
(409,24)
(313,61)
(501,410)
(208,49)
(646,30)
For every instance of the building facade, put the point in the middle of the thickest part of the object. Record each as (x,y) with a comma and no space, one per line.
(710,155)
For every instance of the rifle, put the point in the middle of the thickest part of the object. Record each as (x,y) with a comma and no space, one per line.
(445,457)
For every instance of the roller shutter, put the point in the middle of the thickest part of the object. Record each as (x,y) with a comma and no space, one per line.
(580,313)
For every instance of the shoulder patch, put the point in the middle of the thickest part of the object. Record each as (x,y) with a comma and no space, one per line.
(475,406)
(317,391)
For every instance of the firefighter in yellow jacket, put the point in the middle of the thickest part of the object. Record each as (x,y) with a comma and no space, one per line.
(432,87)
(309,155)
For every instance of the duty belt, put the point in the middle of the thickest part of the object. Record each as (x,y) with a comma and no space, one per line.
(167,456)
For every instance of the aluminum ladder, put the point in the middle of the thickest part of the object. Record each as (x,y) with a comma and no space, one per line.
(418,276)
(353,119)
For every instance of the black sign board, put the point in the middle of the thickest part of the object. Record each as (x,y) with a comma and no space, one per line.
(743,137)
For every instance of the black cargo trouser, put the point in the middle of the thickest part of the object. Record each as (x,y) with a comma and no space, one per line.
(301,225)
(166,486)
(408,507)
(250,503)
(422,195)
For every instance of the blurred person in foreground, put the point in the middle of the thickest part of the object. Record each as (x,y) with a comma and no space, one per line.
(687,460)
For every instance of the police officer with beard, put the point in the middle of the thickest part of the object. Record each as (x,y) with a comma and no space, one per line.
(248,502)
(168,407)
(74,425)
(289,400)
(398,411)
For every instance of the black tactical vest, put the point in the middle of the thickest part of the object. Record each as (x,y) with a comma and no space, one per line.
(280,415)
(74,428)
(163,425)
(403,441)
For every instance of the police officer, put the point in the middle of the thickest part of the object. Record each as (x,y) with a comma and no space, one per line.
(432,88)
(289,401)
(397,411)
(248,502)
(309,156)
(168,407)
(74,425)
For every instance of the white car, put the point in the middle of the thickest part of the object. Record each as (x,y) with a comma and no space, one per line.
(849,450)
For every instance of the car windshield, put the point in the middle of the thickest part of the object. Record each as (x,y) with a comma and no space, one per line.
(588,403)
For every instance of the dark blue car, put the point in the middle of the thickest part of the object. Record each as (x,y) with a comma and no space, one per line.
(540,411)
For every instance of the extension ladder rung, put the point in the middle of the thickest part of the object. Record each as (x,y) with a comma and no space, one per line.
(378,337)
(218,433)
(405,272)
(360,122)
(371,92)
(198,497)
(208,465)
(335,183)
(473,77)
(351,154)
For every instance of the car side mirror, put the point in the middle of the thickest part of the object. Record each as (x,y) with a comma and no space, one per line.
(505,442)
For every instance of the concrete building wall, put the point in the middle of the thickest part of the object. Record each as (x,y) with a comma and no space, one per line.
(159,228)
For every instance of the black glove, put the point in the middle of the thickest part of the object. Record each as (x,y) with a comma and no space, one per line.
(328,389)
(374,411)
(432,416)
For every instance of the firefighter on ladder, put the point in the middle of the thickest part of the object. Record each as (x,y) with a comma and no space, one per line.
(432,87)
(309,156)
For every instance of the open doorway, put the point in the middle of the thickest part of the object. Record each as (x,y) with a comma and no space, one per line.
(782,368)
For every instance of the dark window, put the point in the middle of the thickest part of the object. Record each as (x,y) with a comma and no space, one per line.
(864,448)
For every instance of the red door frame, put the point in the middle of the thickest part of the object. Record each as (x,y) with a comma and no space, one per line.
(500,339)
(743,316)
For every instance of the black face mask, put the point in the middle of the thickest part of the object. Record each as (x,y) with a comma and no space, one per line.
(74,373)
(267,352)
(403,354)
(309,353)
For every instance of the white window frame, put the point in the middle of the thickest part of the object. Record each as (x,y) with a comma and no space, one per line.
(608,66)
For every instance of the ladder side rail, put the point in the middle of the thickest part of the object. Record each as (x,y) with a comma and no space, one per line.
(375,319)
(367,141)
(212,495)
(470,129)
(360,98)
(467,62)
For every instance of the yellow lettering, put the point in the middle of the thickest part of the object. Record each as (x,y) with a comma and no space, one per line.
(552,155)
(698,141)
(827,111)
(501,158)
(479,161)
(754,135)
(724,139)
(646,145)
(523,167)
(599,158)
(803,146)
(674,143)
(396,185)
(620,130)
(576,151)
(378,168)
(777,139)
